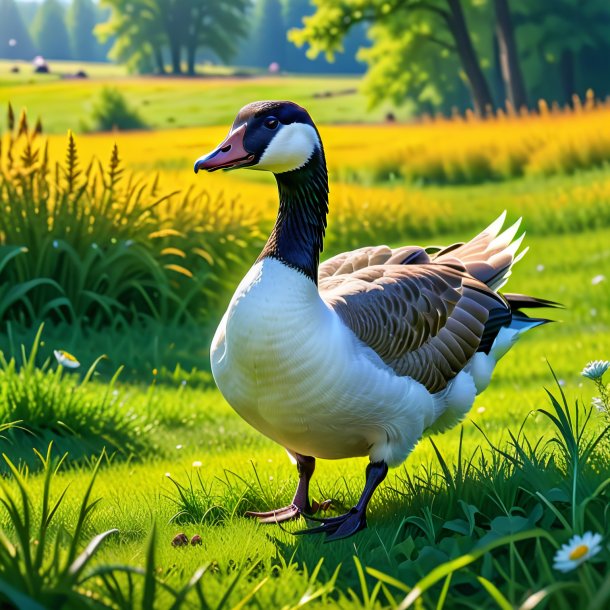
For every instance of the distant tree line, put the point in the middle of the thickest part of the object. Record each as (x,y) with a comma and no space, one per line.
(436,55)
(172,35)
(51,29)
(161,36)
(441,54)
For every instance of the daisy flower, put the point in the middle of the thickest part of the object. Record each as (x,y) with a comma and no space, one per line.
(595,369)
(66,359)
(576,551)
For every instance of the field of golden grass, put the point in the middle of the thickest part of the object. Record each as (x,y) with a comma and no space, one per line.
(386,180)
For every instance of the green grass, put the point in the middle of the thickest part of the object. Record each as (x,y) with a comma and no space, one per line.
(240,469)
(164,102)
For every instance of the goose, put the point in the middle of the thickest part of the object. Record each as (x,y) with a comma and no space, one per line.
(365,353)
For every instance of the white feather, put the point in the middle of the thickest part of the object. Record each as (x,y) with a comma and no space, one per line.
(291,148)
(290,367)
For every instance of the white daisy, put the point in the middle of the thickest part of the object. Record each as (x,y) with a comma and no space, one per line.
(66,359)
(197,464)
(595,369)
(576,551)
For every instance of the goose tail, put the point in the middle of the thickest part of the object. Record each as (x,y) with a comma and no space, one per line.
(490,256)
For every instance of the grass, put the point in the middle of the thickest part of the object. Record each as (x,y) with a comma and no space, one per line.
(472,519)
(240,469)
(67,103)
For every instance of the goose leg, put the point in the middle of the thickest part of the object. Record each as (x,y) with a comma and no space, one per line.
(300,503)
(354,520)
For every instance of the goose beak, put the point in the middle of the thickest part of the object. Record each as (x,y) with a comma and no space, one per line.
(230,154)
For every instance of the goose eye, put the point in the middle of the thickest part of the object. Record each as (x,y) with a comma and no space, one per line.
(271,122)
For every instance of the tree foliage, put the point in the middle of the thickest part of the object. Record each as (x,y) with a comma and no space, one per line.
(427,51)
(50,32)
(81,22)
(435,23)
(15,40)
(146,29)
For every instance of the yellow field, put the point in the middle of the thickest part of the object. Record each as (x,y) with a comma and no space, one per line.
(558,142)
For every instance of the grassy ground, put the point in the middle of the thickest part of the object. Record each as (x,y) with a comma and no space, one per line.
(66,103)
(239,469)
(198,467)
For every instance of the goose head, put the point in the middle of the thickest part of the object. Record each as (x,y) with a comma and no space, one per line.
(276,136)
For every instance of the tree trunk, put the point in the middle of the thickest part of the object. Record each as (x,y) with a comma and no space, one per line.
(191,51)
(175,52)
(479,88)
(566,74)
(160,64)
(509,57)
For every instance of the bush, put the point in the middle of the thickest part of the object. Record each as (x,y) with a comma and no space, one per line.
(111,112)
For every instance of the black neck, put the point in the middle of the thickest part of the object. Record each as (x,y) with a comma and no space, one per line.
(298,235)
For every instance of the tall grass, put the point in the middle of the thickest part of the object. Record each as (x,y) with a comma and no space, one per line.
(471,150)
(91,244)
(52,404)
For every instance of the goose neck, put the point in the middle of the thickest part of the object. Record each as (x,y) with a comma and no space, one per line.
(298,234)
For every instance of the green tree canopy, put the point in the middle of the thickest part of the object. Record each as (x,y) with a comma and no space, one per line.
(269,33)
(50,33)
(565,46)
(146,29)
(81,22)
(15,40)
(433,23)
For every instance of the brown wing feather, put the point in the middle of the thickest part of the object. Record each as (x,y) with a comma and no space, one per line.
(425,321)
(348,262)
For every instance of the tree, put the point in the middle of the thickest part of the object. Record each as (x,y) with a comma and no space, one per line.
(15,40)
(564,46)
(217,26)
(81,22)
(49,30)
(510,64)
(269,36)
(326,29)
(144,28)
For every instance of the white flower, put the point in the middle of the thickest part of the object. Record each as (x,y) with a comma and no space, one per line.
(598,279)
(576,551)
(197,464)
(65,359)
(595,369)
(598,403)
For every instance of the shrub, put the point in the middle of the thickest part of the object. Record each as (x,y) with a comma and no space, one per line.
(111,112)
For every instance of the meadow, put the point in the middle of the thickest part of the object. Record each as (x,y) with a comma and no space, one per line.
(474,516)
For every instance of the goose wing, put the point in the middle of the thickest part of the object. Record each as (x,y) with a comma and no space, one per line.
(425,320)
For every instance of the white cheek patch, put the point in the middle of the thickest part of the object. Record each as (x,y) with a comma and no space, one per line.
(292,146)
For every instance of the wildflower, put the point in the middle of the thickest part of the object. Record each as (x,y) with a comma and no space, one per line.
(178,446)
(66,359)
(55,243)
(540,268)
(598,279)
(598,403)
(576,551)
(197,464)
(595,369)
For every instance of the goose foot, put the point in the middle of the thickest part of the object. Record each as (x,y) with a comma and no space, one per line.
(336,528)
(300,503)
(354,520)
